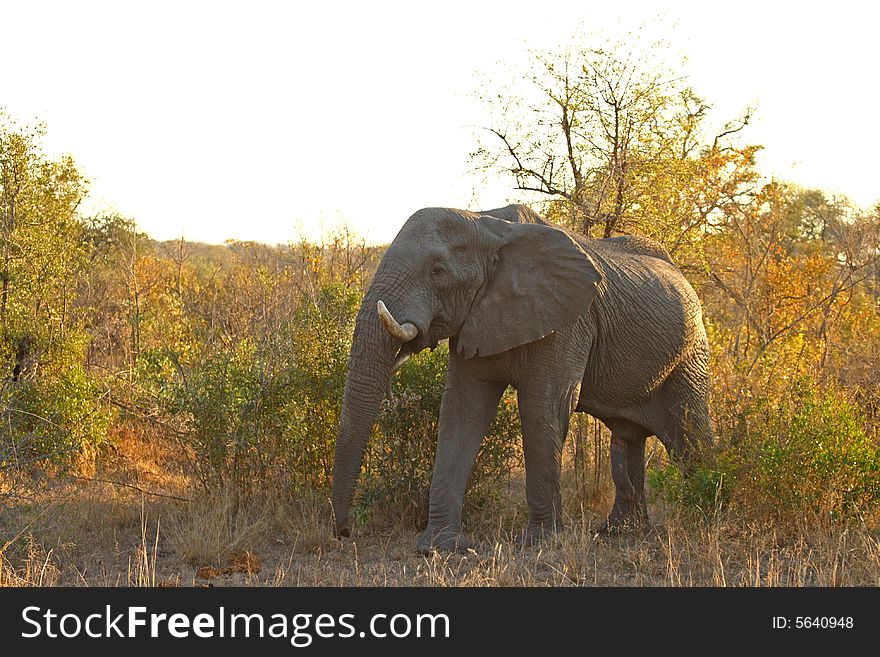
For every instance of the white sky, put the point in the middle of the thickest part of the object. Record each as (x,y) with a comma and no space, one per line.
(271,120)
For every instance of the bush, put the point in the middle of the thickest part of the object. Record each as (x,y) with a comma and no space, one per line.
(267,408)
(813,455)
(264,411)
(806,454)
(704,489)
(57,412)
(314,389)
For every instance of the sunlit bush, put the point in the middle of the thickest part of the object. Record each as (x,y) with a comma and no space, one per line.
(806,455)
(266,413)
(812,454)
(55,412)
(262,410)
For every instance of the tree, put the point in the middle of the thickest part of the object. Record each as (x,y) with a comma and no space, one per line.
(120,277)
(611,138)
(50,402)
(612,141)
(39,236)
(786,281)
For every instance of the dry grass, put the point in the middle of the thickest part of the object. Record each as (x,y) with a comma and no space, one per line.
(38,568)
(213,527)
(79,533)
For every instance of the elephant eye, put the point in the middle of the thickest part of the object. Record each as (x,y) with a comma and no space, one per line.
(438,270)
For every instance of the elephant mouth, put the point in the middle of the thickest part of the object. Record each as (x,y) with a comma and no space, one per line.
(428,339)
(420,343)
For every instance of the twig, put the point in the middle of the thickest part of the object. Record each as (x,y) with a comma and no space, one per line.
(132,486)
(143,416)
(29,524)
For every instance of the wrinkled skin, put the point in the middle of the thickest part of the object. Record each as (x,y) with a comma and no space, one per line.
(608,327)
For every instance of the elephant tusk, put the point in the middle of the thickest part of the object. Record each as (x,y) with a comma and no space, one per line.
(404,333)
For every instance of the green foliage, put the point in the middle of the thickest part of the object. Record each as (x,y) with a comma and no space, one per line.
(271,406)
(704,489)
(322,339)
(265,408)
(58,414)
(808,453)
(52,406)
(812,453)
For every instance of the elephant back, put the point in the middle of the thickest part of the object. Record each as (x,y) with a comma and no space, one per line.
(515,214)
(639,245)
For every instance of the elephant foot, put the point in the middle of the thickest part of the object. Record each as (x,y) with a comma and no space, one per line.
(625,517)
(443,541)
(535,534)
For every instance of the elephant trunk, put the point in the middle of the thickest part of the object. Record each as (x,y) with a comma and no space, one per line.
(370,364)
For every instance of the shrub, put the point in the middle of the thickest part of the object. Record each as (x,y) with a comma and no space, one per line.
(808,453)
(705,488)
(225,422)
(57,412)
(314,389)
(812,455)
(265,411)
(267,408)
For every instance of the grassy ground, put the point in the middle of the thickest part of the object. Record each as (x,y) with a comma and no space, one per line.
(85,532)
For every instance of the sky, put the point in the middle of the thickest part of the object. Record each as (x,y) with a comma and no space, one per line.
(273,121)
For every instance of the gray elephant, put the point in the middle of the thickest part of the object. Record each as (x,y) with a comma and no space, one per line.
(609,327)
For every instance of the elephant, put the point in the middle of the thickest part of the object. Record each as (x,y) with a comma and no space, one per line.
(609,327)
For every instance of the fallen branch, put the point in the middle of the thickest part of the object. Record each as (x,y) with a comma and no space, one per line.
(132,486)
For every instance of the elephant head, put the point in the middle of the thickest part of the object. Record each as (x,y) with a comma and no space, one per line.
(488,284)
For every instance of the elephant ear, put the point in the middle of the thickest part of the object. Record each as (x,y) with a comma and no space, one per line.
(542,281)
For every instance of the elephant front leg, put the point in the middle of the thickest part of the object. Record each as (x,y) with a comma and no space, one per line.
(545,420)
(467,409)
(628,473)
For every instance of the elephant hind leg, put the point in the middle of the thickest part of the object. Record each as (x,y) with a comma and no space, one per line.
(628,472)
(681,414)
